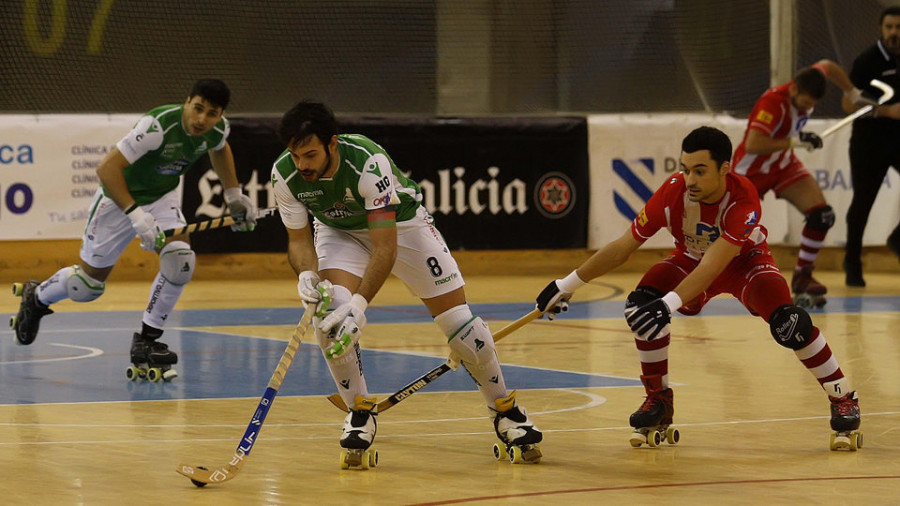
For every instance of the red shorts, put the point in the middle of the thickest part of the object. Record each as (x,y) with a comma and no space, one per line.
(750,278)
(779,179)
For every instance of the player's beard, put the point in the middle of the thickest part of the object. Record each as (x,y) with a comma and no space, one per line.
(892,44)
(321,170)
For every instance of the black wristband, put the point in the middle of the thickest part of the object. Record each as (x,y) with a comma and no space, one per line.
(132,208)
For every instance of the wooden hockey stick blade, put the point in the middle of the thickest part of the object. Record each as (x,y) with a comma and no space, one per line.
(887,93)
(200,475)
(224,221)
(451,364)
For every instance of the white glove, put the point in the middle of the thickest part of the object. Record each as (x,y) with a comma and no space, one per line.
(241,209)
(349,319)
(859,99)
(314,291)
(152,237)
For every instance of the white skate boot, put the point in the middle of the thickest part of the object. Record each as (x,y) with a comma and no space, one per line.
(358,435)
(516,431)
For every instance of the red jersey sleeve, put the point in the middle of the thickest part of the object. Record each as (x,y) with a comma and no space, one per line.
(653,216)
(767,113)
(741,219)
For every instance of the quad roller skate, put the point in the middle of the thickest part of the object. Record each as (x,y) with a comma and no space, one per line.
(28,320)
(652,421)
(845,422)
(518,435)
(151,360)
(358,434)
(807,291)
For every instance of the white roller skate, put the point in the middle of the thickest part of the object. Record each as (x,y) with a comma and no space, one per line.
(28,320)
(845,418)
(652,421)
(151,360)
(518,435)
(807,291)
(358,435)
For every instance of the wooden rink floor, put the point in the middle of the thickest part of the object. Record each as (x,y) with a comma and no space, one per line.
(754,423)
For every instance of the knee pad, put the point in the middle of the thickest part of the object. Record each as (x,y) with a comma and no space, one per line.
(473,342)
(820,218)
(640,296)
(82,288)
(791,326)
(176,262)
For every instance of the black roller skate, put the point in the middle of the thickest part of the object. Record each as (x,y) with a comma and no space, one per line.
(845,418)
(808,292)
(28,320)
(358,435)
(151,360)
(652,421)
(516,431)
(853,273)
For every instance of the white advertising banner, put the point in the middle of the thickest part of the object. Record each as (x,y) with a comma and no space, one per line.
(48,169)
(632,155)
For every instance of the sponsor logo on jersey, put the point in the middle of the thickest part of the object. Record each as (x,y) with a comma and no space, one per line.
(338,211)
(374,169)
(202,148)
(752,218)
(310,195)
(554,195)
(171,169)
(764,116)
(169,150)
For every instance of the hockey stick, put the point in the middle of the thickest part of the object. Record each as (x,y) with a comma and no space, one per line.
(887,93)
(224,221)
(451,364)
(201,476)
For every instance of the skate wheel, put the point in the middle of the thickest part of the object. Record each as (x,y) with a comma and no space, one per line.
(364,461)
(654,438)
(672,435)
(154,374)
(854,442)
(12,322)
(18,288)
(859,440)
(637,439)
(500,452)
(515,455)
(344,463)
(169,375)
(373,458)
(841,441)
(132,373)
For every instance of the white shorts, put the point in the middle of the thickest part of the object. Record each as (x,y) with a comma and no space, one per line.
(424,262)
(109,231)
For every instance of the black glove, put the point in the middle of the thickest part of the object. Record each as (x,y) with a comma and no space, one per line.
(552,300)
(649,319)
(809,140)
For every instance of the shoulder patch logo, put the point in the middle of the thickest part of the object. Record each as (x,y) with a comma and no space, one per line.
(373,169)
(642,217)
(752,218)
(765,117)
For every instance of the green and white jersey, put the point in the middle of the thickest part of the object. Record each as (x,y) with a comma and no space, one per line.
(160,151)
(366,179)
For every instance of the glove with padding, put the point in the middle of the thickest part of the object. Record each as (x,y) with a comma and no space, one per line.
(552,300)
(349,319)
(152,237)
(313,290)
(807,140)
(860,98)
(648,320)
(241,208)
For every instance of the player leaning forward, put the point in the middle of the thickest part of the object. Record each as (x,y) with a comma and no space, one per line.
(713,214)
(138,197)
(369,223)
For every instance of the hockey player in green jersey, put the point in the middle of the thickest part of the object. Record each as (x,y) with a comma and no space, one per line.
(369,223)
(138,197)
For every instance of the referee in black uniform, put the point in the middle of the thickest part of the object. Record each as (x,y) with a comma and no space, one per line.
(875,141)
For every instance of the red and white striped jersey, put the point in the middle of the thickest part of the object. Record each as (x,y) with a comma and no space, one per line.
(775,116)
(695,225)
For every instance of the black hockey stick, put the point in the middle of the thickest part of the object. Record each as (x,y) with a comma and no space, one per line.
(451,364)
(224,221)
(201,476)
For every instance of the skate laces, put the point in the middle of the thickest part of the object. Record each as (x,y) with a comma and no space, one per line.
(845,405)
